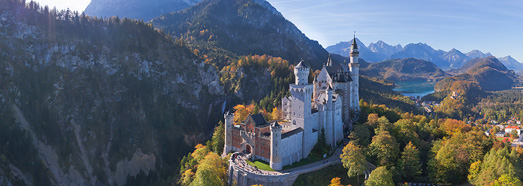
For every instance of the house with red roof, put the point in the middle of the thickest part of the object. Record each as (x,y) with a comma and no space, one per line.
(509,129)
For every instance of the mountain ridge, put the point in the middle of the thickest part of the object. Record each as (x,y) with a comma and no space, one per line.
(422,51)
(231,26)
(452,59)
(343,49)
(511,63)
(409,69)
(489,74)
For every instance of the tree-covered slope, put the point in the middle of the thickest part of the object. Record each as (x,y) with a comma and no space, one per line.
(224,29)
(489,73)
(86,101)
(409,69)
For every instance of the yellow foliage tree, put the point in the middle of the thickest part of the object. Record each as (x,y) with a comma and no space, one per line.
(241,112)
(276,114)
(200,152)
(372,120)
(187,177)
(212,171)
(335,182)
(452,126)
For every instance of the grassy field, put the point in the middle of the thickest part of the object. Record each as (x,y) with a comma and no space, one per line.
(504,138)
(324,176)
(261,165)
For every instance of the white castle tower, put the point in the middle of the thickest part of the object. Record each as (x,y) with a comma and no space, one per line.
(301,73)
(300,112)
(276,163)
(354,67)
(229,124)
(329,124)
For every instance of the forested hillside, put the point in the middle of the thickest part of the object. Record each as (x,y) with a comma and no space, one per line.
(489,73)
(409,69)
(88,101)
(222,30)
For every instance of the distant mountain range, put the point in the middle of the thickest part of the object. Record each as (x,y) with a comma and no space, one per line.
(511,63)
(452,59)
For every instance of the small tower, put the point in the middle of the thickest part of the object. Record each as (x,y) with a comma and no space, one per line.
(229,124)
(354,66)
(315,88)
(301,73)
(329,115)
(275,146)
(329,60)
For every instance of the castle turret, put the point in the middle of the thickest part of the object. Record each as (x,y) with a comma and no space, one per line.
(301,110)
(329,115)
(315,88)
(329,60)
(275,163)
(354,66)
(301,73)
(229,124)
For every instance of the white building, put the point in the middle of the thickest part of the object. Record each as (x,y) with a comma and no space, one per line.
(329,103)
(509,129)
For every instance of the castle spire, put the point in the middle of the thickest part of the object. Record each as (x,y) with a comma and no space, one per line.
(329,60)
(354,43)
(354,48)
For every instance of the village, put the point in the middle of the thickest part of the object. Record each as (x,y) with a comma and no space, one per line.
(509,130)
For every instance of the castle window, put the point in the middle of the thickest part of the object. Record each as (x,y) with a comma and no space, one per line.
(294,122)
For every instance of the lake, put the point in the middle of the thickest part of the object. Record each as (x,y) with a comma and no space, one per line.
(414,88)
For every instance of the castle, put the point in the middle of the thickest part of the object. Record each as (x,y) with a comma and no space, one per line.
(329,103)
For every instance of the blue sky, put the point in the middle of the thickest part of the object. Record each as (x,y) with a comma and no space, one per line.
(489,26)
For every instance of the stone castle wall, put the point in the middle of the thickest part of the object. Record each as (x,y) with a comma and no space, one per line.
(242,177)
(291,148)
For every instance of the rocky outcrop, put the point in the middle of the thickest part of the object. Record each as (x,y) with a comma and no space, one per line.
(96,104)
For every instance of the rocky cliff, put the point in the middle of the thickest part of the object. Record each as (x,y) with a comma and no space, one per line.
(90,102)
